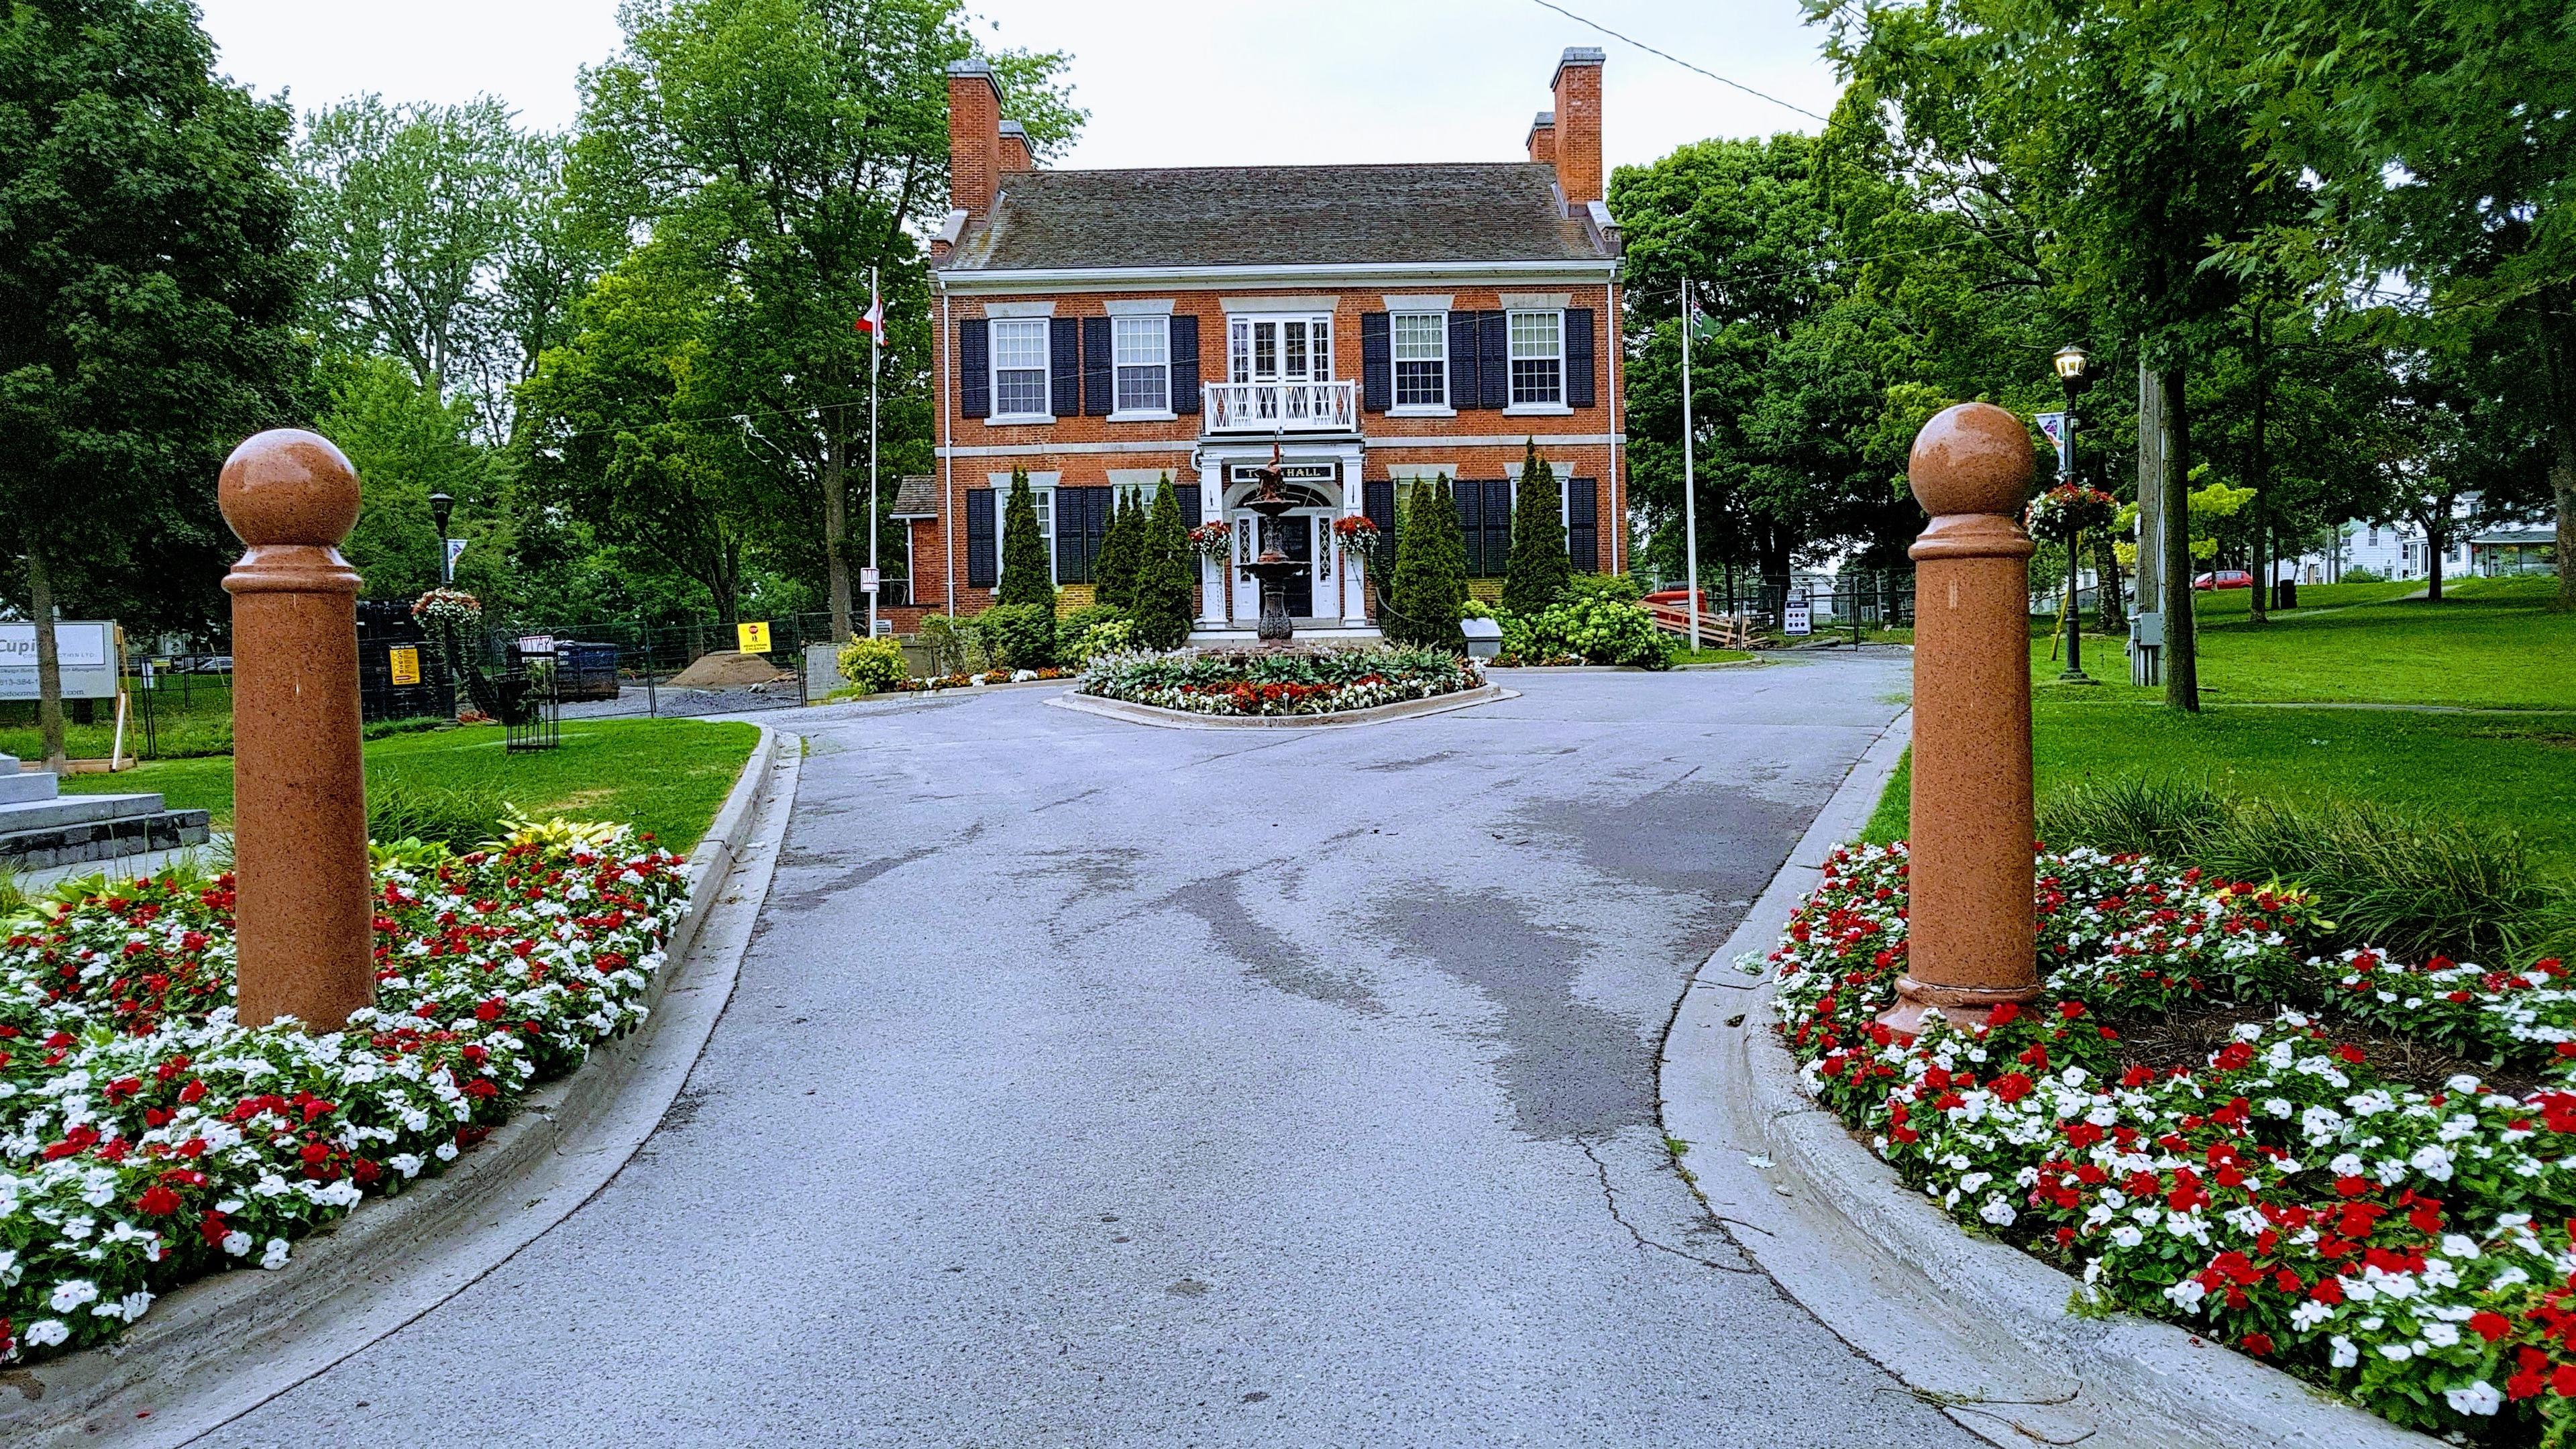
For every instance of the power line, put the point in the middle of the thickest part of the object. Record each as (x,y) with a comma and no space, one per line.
(1677,60)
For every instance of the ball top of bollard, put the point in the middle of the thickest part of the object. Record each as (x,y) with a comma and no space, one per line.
(1973,458)
(289,486)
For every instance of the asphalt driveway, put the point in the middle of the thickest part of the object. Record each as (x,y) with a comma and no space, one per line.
(1091,1084)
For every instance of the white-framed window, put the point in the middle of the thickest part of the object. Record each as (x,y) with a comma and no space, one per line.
(1279,349)
(1538,359)
(1142,350)
(1042,498)
(1421,359)
(1020,367)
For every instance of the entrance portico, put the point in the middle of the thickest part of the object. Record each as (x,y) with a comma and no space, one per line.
(1329,600)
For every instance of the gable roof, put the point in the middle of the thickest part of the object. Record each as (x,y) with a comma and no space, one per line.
(1277,215)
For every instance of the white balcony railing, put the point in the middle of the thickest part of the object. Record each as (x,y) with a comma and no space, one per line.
(1272,407)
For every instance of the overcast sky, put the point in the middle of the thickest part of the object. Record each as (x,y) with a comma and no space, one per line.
(1167,82)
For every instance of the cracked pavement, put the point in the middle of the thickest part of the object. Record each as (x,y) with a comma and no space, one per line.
(1090,1084)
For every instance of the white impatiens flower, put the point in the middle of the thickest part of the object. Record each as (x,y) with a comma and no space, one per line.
(446,1152)
(46,1332)
(2127,1236)
(2456,1246)
(2346,1165)
(2397,1352)
(2478,1398)
(2309,1314)
(275,1257)
(1997,1211)
(71,1293)
(2441,1335)
(237,1243)
(2433,1161)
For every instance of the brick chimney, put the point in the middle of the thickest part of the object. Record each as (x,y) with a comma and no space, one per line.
(1015,147)
(1578,124)
(974,137)
(1542,139)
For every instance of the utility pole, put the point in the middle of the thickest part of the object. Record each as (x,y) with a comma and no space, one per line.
(1690,480)
(876,348)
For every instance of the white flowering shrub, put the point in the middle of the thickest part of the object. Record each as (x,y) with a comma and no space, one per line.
(147,1137)
(2409,1246)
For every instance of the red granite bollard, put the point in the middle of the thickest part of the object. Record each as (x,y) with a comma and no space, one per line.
(1969,923)
(302,884)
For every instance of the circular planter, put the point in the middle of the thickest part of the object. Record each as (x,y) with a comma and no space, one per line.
(1177,719)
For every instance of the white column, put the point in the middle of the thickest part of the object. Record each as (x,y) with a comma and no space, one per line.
(1211,577)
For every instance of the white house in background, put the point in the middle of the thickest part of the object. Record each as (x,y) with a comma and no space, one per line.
(2390,550)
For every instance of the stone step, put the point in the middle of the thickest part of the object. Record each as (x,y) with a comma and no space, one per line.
(101,839)
(17,785)
(65,810)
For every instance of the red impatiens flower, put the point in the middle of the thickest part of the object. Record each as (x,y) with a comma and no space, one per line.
(2489,1325)
(158,1201)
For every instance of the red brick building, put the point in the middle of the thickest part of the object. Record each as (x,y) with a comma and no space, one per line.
(1107,330)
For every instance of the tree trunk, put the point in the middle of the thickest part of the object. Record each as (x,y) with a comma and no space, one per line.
(2558,349)
(49,661)
(2435,541)
(2257,469)
(836,527)
(2108,607)
(2181,660)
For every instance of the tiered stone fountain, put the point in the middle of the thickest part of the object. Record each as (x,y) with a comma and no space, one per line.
(1273,568)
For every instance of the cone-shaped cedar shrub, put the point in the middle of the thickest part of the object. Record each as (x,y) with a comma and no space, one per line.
(1113,575)
(1026,577)
(1165,571)
(1430,571)
(1539,570)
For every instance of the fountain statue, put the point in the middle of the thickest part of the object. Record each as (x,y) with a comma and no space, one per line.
(1272,567)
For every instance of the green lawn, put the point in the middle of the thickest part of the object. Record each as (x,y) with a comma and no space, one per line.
(2491,644)
(667,776)
(190,717)
(1711,656)
(2509,771)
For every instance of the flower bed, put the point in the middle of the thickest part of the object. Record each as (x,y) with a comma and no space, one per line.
(968,681)
(146,1138)
(2286,1152)
(1279,682)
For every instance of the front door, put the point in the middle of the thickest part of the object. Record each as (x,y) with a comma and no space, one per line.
(1297,540)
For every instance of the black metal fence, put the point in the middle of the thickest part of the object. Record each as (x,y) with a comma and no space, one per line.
(616,670)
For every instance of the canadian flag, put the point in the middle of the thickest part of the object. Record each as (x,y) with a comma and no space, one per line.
(873,324)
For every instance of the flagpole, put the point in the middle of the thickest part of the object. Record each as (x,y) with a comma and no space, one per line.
(1690,484)
(876,345)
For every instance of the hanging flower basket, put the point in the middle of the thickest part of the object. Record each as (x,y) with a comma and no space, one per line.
(1213,541)
(2069,509)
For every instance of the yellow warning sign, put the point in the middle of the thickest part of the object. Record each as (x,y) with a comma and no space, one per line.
(753,638)
(406,659)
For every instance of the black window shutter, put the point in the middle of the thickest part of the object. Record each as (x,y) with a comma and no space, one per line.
(1498,527)
(1187,495)
(1494,358)
(1469,497)
(1185,374)
(1081,516)
(975,368)
(1064,367)
(1377,363)
(1462,362)
(1578,357)
(982,569)
(1583,524)
(1097,376)
(1377,500)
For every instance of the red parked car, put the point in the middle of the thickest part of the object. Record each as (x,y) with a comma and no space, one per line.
(2225,579)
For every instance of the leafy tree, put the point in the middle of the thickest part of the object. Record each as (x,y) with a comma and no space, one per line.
(811,137)
(1113,574)
(1027,577)
(1166,574)
(147,275)
(1430,587)
(631,436)
(1538,569)
(406,445)
(2440,137)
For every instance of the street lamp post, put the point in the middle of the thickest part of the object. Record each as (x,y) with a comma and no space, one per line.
(2071,363)
(440,506)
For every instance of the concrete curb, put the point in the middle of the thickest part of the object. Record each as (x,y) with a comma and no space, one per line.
(1966,1322)
(221,1346)
(1173,719)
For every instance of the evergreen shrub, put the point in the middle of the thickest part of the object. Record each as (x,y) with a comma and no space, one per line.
(1017,636)
(1538,569)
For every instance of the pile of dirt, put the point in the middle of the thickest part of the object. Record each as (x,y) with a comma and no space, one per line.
(727,670)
